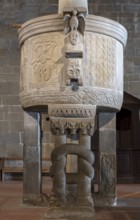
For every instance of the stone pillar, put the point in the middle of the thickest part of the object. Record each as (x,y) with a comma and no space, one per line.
(84,180)
(59,184)
(107,159)
(32,160)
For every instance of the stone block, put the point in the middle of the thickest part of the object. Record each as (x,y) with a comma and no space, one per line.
(4,88)
(13,163)
(126,87)
(46,138)
(15,109)
(137,61)
(2,52)
(4,109)
(10,100)
(4,126)
(109,7)
(131,7)
(14,88)
(2,144)
(136,43)
(15,59)
(137,51)
(132,69)
(8,69)
(9,77)
(129,61)
(4,43)
(11,116)
(17,71)
(134,88)
(45,122)
(129,51)
(2,150)
(12,138)
(132,77)
(1,116)
(47,150)
(107,141)
(108,174)
(16,126)
(31,128)
(14,150)
(107,121)
(32,178)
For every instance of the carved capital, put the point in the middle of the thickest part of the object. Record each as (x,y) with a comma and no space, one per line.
(84,125)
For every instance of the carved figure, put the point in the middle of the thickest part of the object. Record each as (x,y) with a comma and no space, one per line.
(74,71)
(76,22)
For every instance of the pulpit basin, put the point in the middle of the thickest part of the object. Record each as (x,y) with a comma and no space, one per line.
(43,64)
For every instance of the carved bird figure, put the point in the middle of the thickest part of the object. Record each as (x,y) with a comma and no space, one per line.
(74,22)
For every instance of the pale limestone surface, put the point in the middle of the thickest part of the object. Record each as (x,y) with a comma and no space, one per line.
(44,80)
(71,3)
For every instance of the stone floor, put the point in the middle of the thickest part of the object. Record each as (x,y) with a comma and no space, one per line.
(12,208)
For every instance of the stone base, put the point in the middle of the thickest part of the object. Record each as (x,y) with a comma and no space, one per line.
(104,200)
(66,213)
(37,200)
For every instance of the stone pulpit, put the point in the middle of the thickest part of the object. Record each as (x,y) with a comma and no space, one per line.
(72,69)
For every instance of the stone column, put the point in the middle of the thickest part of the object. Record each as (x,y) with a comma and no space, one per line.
(32,160)
(107,159)
(59,184)
(84,177)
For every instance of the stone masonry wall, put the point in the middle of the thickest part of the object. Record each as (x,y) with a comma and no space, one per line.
(127,12)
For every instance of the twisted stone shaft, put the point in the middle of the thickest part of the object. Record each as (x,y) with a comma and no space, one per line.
(85,169)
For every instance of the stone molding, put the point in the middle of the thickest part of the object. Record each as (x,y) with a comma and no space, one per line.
(86,125)
(54,23)
(70,110)
(94,96)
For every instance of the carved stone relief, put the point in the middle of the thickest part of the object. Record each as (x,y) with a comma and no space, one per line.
(86,125)
(100,60)
(46,60)
(74,26)
(93,96)
(108,171)
(24,67)
(74,71)
(67,110)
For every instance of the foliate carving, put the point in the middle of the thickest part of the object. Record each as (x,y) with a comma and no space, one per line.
(67,110)
(74,71)
(86,125)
